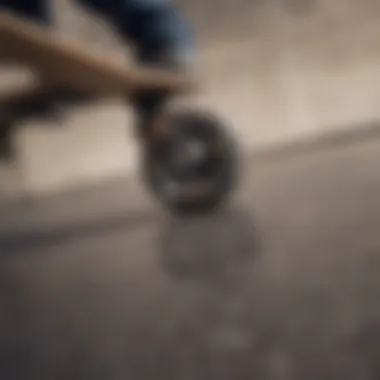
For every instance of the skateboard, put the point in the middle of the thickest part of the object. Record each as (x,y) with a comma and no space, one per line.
(199,168)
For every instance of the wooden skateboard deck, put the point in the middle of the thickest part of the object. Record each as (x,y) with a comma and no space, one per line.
(62,64)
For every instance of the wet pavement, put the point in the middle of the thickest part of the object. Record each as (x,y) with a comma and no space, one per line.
(283,284)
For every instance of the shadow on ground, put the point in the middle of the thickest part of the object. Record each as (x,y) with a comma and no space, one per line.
(79,324)
(210,249)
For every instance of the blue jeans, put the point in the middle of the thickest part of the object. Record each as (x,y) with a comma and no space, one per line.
(157,32)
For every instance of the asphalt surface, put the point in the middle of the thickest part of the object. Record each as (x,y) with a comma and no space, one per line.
(283,284)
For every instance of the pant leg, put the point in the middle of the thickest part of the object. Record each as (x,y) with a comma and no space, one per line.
(155,28)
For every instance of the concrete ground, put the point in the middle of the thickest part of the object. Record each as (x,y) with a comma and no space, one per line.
(284,284)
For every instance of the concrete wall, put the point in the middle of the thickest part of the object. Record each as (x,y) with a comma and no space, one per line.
(277,70)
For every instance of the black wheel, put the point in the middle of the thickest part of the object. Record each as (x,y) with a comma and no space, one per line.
(195,170)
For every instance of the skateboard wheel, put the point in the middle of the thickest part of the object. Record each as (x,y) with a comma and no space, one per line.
(197,171)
